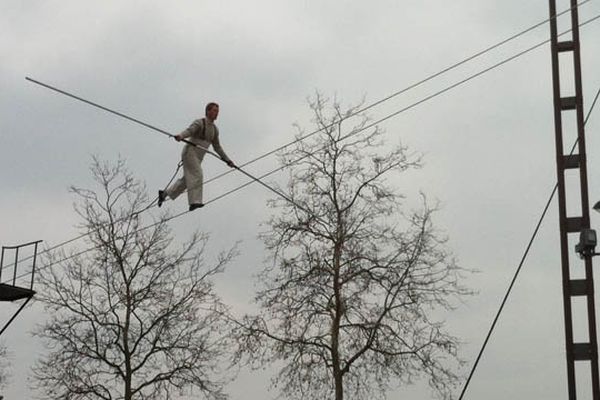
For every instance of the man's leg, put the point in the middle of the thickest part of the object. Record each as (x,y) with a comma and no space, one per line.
(194,183)
(176,188)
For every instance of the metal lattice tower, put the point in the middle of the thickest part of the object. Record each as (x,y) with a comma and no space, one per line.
(577,275)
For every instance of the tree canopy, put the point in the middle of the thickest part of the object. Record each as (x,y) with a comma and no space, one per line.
(351,296)
(134,316)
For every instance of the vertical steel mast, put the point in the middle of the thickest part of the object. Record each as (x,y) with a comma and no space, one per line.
(577,276)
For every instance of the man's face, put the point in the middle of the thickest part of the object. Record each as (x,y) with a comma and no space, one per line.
(213,113)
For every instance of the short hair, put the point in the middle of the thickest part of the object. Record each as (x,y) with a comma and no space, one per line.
(209,106)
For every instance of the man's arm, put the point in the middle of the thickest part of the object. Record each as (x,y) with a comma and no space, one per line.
(217,146)
(194,127)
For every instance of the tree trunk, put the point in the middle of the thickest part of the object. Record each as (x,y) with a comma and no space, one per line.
(127,352)
(128,369)
(335,328)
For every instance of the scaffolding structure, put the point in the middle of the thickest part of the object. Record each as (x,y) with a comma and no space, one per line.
(19,285)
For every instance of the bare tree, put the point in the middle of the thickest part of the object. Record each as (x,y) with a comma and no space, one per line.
(354,284)
(136,317)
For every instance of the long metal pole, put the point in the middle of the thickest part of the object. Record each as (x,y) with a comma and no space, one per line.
(137,121)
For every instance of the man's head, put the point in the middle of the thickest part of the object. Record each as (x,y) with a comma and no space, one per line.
(212,111)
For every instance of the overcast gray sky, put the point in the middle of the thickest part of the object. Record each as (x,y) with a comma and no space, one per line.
(488,144)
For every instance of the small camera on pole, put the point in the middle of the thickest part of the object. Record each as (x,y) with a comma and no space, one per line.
(587,243)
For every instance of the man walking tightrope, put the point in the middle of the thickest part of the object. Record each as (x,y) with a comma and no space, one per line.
(201,133)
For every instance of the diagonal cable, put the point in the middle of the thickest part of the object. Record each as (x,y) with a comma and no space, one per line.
(389,97)
(521,263)
(355,132)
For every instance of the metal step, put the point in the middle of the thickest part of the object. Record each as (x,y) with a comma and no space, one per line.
(568,45)
(568,103)
(572,161)
(574,224)
(582,351)
(12,293)
(580,287)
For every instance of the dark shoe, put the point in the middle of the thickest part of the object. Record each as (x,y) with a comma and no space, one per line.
(193,206)
(162,196)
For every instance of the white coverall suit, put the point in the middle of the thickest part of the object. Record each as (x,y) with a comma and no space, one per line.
(202,133)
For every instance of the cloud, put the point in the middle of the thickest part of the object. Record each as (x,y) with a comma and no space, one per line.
(488,144)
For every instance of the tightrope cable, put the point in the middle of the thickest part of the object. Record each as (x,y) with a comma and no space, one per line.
(304,137)
(366,108)
(407,88)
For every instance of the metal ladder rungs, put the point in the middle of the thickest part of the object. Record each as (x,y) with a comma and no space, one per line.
(582,351)
(574,224)
(579,287)
(568,103)
(572,161)
(566,51)
(568,45)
